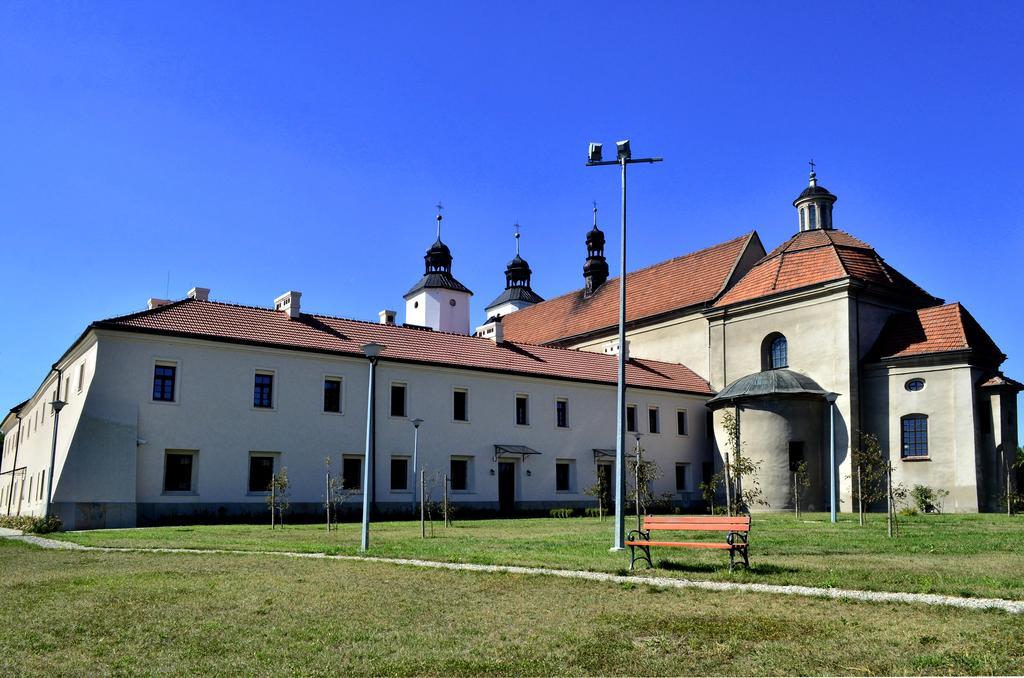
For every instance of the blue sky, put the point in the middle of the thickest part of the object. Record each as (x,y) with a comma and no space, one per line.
(258,147)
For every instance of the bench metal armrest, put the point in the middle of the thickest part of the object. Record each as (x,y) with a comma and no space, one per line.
(644,535)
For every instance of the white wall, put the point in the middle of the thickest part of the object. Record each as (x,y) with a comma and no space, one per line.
(213,415)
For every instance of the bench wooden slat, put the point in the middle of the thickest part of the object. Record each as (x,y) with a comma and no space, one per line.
(697,519)
(687,544)
(737,527)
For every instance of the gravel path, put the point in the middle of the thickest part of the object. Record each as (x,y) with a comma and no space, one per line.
(1011,606)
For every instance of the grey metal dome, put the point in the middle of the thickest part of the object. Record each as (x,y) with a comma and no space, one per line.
(770,383)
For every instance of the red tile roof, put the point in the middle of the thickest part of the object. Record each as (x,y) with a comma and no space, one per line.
(819,256)
(938,329)
(324,334)
(689,280)
(1000,380)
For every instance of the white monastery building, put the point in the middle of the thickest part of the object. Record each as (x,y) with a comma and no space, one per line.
(184,410)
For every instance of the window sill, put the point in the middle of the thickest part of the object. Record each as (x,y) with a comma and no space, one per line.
(163,402)
(333,414)
(170,493)
(915,459)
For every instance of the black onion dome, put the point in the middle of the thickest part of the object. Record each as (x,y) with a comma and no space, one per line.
(814,192)
(518,269)
(595,239)
(770,383)
(438,257)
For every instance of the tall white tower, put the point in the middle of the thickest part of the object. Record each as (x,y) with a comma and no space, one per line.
(438,300)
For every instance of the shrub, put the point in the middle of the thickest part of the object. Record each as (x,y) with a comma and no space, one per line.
(593,512)
(927,499)
(908,511)
(33,524)
(560,513)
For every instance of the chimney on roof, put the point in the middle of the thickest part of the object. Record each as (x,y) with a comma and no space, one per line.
(199,293)
(156,303)
(387,317)
(289,303)
(492,330)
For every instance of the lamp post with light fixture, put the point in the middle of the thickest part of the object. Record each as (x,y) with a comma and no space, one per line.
(57,406)
(416,423)
(372,351)
(623,158)
(831,399)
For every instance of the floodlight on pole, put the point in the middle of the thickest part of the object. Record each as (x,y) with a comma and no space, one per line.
(372,351)
(624,158)
(831,399)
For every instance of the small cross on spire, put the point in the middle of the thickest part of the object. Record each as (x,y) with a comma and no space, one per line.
(811,163)
(517,238)
(814,177)
(595,213)
(439,218)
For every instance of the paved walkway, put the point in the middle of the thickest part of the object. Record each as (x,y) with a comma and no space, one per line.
(1011,606)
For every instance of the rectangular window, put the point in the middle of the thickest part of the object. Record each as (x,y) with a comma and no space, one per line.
(460,405)
(522,410)
(563,476)
(562,413)
(460,474)
(397,400)
(42,483)
(178,471)
(631,418)
(681,424)
(81,377)
(653,423)
(332,394)
(399,473)
(263,390)
(915,435)
(261,472)
(163,382)
(352,473)
(681,477)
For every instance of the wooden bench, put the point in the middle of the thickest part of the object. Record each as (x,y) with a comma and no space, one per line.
(737,529)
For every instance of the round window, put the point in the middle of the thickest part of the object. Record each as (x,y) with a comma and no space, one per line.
(451,302)
(415,304)
(915,385)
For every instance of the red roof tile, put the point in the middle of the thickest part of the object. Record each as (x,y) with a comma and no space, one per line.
(691,279)
(246,324)
(819,256)
(938,329)
(1000,380)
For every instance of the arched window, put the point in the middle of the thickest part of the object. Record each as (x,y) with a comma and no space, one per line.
(914,436)
(774,352)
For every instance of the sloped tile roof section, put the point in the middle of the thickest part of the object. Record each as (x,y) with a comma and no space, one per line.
(820,256)
(938,329)
(1001,381)
(689,280)
(232,323)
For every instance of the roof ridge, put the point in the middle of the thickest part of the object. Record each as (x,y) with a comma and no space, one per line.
(656,264)
(732,271)
(400,328)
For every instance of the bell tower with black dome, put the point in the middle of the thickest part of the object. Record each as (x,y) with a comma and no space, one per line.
(438,300)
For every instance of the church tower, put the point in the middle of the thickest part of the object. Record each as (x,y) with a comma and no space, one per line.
(595,271)
(814,205)
(518,293)
(438,300)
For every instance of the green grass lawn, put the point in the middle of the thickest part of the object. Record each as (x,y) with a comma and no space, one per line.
(88,613)
(968,555)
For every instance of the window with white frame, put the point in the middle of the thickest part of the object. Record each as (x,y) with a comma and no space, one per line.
(653,420)
(261,471)
(562,413)
(461,478)
(165,376)
(682,477)
(352,472)
(682,425)
(179,470)
(398,399)
(332,394)
(263,390)
(522,409)
(460,404)
(399,474)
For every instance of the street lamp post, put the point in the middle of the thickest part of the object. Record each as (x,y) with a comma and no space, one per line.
(371,351)
(623,159)
(831,398)
(57,406)
(416,423)
(636,480)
